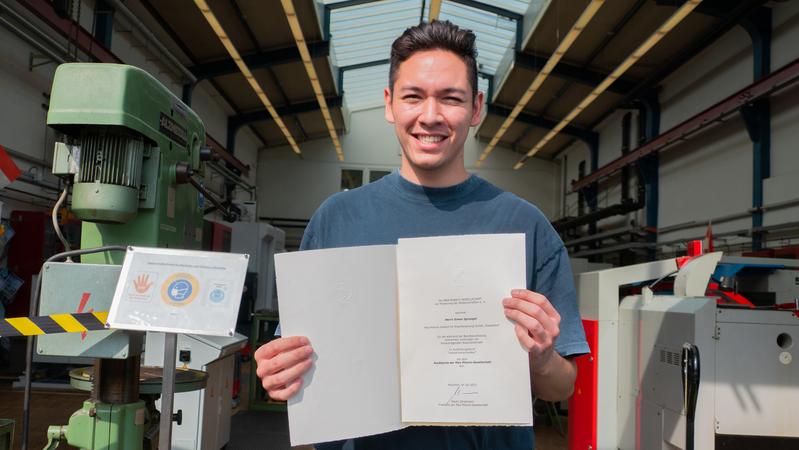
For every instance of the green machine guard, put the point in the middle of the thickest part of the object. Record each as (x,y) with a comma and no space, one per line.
(124,138)
(124,133)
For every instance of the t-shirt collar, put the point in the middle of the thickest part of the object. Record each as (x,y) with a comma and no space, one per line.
(432,194)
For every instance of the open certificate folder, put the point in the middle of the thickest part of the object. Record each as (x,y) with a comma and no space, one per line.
(406,334)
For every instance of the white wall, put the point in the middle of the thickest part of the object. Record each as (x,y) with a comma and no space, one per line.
(710,175)
(784,182)
(22,121)
(290,187)
(23,125)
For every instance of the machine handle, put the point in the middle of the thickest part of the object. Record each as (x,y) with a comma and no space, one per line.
(690,386)
(178,417)
(185,174)
(55,433)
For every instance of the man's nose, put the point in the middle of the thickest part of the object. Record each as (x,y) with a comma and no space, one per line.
(430,111)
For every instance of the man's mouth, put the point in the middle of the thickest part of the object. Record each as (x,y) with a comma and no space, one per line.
(429,139)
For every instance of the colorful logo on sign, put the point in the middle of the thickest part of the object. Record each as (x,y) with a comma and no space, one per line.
(180,289)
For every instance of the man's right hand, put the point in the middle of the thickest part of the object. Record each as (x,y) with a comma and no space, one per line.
(281,364)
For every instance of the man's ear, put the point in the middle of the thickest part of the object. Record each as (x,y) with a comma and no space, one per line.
(387,99)
(477,109)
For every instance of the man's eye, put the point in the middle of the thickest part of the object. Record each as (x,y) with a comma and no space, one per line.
(453,99)
(411,97)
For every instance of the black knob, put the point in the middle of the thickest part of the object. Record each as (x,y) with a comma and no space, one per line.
(208,154)
(178,417)
(183,173)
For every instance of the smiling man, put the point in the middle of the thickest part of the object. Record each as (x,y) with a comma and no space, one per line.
(432,100)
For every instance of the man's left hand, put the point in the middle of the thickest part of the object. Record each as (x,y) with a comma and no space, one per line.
(537,326)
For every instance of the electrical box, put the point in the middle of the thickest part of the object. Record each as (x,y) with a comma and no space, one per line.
(207,412)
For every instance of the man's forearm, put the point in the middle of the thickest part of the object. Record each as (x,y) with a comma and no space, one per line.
(555,381)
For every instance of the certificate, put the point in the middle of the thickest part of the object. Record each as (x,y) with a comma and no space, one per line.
(344,301)
(412,334)
(460,360)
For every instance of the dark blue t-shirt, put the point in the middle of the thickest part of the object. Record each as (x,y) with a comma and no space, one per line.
(392,208)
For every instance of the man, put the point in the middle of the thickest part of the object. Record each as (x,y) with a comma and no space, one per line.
(432,100)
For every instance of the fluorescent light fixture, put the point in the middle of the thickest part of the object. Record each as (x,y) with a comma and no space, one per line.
(564,45)
(435,10)
(234,54)
(639,52)
(296,31)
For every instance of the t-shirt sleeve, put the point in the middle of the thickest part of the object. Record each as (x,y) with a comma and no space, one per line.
(311,235)
(554,280)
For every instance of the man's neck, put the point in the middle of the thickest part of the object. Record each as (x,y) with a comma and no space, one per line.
(434,178)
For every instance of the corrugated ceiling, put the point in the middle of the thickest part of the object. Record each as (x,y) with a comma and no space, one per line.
(361,35)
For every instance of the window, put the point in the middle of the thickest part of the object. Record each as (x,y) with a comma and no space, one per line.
(103,23)
(351,179)
(375,175)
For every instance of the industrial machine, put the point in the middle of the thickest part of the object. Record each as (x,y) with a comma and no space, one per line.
(129,151)
(688,353)
(261,241)
(205,413)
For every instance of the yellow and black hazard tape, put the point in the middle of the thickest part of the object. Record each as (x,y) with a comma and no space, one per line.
(53,324)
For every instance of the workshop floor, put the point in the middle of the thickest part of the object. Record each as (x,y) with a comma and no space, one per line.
(258,430)
(250,430)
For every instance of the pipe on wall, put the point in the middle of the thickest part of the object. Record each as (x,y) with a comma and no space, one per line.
(43,39)
(730,217)
(119,6)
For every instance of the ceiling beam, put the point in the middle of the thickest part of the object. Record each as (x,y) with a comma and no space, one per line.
(713,8)
(542,122)
(535,85)
(736,14)
(490,8)
(167,28)
(672,22)
(310,70)
(224,39)
(348,3)
(364,65)
(283,111)
(259,60)
(571,72)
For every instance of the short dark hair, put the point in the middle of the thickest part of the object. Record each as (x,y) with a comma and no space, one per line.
(436,35)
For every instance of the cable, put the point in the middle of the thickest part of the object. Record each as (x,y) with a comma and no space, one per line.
(652,285)
(34,309)
(56,208)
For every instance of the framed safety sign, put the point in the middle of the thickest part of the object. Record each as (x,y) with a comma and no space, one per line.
(179,291)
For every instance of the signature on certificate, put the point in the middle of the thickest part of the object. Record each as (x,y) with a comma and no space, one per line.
(461,392)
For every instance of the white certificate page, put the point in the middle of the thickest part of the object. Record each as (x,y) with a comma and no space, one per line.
(344,300)
(460,360)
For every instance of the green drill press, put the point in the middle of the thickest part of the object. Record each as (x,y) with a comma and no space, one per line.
(130,149)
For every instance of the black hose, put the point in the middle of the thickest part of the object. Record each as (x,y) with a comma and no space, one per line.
(34,310)
(690,384)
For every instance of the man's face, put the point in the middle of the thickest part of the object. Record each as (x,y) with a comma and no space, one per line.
(432,109)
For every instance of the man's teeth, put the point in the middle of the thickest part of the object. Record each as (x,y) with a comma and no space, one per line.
(430,139)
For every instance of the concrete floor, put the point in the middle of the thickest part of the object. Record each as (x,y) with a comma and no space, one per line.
(257,430)
(250,430)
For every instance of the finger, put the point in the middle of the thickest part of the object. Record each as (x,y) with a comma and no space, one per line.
(280,345)
(283,361)
(286,392)
(533,326)
(531,309)
(286,377)
(524,337)
(538,299)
